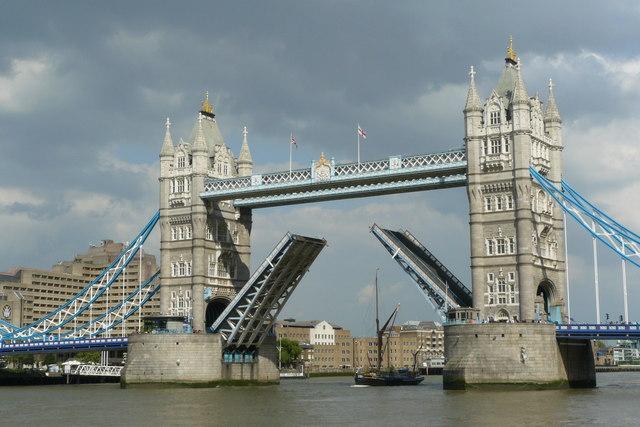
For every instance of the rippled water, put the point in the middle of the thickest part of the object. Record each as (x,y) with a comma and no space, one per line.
(322,401)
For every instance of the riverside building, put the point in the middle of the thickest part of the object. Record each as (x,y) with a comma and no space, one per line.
(326,347)
(422,339)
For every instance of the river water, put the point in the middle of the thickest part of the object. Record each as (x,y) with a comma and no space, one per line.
(321,401)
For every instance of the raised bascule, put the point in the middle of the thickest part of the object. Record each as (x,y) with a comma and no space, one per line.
(511,326)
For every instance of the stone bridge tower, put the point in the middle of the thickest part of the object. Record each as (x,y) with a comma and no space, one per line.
(204,247)
(517,232)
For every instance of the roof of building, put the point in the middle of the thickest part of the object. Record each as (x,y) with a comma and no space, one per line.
(420,325)
(292,323)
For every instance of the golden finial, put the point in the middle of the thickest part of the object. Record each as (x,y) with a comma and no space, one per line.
(206,105)
(323,160)
(511,54)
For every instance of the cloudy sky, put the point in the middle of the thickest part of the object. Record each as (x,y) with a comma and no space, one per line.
(85,88)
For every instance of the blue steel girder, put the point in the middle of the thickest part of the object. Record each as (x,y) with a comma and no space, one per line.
(622,241)
(83,300)
(342,181)
(248,319)
(118,313)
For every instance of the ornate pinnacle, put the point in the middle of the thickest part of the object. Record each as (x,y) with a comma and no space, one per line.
(552,113)
(206,107)
(511,56)
(520,95)
(167,144)
(473,99)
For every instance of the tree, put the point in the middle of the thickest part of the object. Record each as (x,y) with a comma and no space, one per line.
(88,357)
(291,352)
(50,358)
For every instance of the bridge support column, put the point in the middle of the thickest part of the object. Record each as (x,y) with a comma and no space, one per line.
(519,354)
(194,359)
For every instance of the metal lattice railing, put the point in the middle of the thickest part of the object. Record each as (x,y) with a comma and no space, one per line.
(95,370)
(365,169)
(83,300)
(434,159)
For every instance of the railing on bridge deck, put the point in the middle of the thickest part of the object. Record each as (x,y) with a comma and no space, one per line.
(439,168)
(94,370)
(64,345)
(593,331)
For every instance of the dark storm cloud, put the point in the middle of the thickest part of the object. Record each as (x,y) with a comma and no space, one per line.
(85,87)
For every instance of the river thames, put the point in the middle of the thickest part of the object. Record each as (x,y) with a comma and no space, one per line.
(321,401)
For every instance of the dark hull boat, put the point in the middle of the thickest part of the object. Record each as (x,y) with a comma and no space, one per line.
(394,378)
(388,377)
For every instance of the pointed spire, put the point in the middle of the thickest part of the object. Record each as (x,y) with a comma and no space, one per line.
(199,144)
(245,154)
(551,113)
(511,56)
(167,145)
(520,95)
(473,99)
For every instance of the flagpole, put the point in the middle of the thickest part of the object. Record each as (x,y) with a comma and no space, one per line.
(290,156)
(358,133)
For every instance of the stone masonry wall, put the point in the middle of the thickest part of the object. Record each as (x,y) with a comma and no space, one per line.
(520,353)
(192,359)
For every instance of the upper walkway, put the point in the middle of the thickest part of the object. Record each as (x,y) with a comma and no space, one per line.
(326,180)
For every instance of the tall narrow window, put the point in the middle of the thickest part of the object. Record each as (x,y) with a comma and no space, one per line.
(509,201)
(495,146)
(494,117)
(501,247)
(485,148)
(488,204)
(506,145)
(490,247)
(499,204)
(181,161)
(512,245)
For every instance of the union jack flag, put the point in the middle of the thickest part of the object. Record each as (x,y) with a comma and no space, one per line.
(293,141)
(362,133)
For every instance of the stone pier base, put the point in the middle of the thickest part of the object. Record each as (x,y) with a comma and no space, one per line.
(195,360)
(520,354)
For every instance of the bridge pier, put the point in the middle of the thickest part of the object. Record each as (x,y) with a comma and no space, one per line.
(194,360)
(519,354)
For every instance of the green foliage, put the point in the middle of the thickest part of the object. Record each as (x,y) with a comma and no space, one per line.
(88,357)
(50,359)
(291,352)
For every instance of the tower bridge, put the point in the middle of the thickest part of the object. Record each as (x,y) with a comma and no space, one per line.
(511,167)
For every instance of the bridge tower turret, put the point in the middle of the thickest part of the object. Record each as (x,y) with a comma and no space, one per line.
(517,240)
(205,246)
